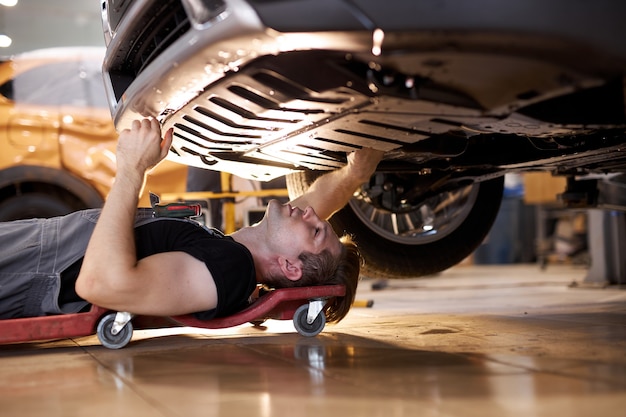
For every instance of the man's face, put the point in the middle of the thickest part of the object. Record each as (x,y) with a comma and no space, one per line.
(293,230)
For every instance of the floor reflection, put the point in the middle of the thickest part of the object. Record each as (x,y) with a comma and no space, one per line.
(485,351)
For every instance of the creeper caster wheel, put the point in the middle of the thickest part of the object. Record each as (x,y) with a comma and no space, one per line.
(111,339)
(302,325)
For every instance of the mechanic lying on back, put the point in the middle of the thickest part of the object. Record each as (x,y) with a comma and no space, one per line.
(117,259)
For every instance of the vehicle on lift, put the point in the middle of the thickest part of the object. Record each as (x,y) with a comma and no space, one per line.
(57,137)
(456,93)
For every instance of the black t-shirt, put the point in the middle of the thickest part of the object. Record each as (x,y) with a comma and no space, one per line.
(229,262)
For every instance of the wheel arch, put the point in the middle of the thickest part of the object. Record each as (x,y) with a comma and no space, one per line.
(11,179)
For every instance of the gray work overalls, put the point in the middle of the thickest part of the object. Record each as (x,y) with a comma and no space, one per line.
(34,252)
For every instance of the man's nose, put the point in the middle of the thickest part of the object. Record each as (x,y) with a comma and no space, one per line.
(309,213)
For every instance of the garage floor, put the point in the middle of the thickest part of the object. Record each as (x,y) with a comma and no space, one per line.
(474,341)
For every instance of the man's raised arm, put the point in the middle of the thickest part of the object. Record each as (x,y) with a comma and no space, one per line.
(330,192)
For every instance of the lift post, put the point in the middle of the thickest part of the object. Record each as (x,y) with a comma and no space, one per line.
(606,239)
(606,236)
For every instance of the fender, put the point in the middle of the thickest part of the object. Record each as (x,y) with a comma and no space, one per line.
(52,176)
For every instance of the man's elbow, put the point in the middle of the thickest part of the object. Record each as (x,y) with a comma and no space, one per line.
(95,289)
(86,286)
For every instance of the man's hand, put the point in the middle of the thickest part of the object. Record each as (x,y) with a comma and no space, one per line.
(362,163)
(141,147)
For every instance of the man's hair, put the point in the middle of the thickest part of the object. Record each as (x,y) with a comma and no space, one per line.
(324,268)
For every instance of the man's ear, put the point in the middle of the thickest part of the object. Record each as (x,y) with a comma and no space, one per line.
(290,268)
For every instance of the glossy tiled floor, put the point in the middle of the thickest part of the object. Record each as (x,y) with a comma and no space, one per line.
(474,341)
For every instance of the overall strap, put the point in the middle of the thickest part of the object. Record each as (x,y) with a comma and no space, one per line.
(147,215)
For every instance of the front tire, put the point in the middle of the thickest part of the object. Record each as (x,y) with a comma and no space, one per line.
(395,245)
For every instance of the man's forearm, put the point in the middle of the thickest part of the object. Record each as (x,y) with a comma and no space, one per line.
(111,255)
(111,249)
(330,192)
(333,190)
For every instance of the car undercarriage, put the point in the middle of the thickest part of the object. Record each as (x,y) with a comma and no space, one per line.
(456,98)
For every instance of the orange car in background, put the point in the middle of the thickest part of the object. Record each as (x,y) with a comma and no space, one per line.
(57,139)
